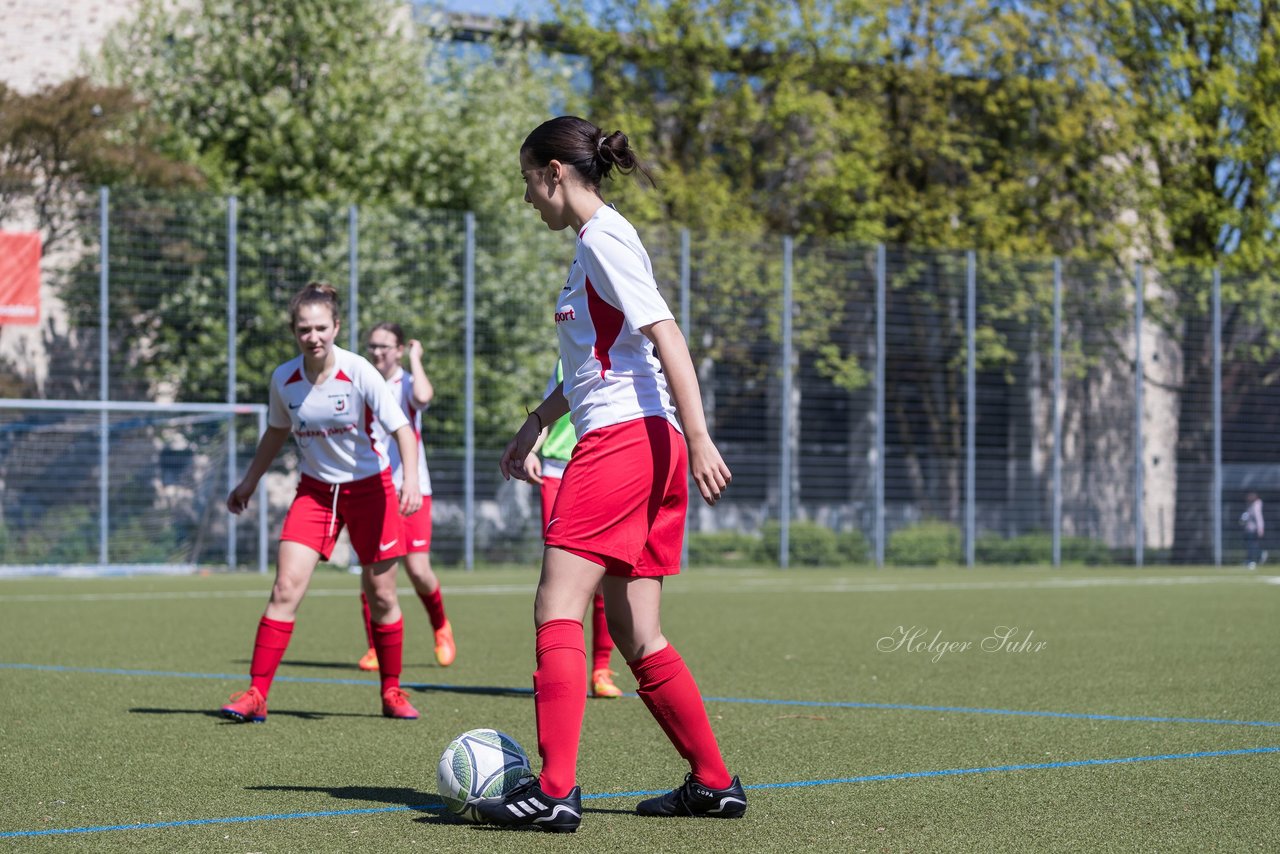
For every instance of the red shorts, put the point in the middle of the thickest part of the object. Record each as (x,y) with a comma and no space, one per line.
(417,528)
(368,508)
(549,489)
(623,498)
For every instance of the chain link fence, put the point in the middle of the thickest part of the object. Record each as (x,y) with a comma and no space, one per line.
(876,404)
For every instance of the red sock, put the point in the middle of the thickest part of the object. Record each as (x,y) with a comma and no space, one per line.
(368,619)
(559,702)
(268,648)
(668,689)
(435,608)
(388,641)
(601,643)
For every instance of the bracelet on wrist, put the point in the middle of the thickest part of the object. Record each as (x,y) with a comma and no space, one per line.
(535,414)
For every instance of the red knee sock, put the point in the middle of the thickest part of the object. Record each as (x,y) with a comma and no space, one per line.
(668,689)
(435,608)
(388,641)
(559,701)
(268,648)
(601,643)
(368,619)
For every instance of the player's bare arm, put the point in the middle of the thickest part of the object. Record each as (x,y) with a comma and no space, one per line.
(527,437)
(705,463)
(423,390)
(410,489)
(269,445)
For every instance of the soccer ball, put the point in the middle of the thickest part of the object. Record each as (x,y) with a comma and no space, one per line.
(480,763)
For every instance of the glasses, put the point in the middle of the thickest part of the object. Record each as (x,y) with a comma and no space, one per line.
(378,348)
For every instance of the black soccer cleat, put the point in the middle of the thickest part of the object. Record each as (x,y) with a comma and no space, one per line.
(528,806)
(695,799)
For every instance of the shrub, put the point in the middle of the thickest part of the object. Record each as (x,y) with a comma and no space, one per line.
(924,544)
(1037,547)
(723,548)
(853,546)
(808,544)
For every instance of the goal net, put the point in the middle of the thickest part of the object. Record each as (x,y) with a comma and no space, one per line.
(99,487)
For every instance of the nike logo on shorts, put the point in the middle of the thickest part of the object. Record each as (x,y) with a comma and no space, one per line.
(382,547)
(418,542)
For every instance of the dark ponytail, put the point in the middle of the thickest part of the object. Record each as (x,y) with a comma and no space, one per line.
(585,147)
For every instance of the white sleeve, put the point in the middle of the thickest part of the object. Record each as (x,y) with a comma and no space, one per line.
(277,412)
(620,277)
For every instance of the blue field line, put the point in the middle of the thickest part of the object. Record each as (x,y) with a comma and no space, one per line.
(798,784)
(820,704)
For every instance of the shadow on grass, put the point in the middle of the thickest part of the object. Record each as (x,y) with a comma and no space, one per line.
(284,713)
(400,797)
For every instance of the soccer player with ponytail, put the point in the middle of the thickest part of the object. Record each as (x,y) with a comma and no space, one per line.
(632,394)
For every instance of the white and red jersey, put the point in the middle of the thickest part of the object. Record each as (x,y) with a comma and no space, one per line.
(334,422)
(611,373)
(401,386)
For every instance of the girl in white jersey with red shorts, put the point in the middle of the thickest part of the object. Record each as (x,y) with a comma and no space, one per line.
(631,392)
(413,391)
(330,399)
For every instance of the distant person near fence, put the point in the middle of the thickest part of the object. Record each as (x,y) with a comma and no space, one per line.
(413,390)
(1254,529)
(327,397)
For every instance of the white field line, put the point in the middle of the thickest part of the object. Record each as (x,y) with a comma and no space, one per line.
(694,584)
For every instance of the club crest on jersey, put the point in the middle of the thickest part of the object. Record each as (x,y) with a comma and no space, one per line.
(562,316)
(340,402)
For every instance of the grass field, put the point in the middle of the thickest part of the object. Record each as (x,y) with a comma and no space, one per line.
(1129,710)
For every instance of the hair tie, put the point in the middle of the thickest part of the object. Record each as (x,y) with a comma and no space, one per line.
(600,143)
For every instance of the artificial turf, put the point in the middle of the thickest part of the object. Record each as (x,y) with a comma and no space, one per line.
(1127,710)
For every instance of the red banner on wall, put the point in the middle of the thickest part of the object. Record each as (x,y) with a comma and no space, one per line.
(19,277)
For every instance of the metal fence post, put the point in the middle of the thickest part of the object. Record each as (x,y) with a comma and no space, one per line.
(232,284)
(1216,511)
(262,505)
(971,406)
(104,373)
(469,383)
(1138,485)
(784,492)
(686,326)
(353,279)
(1057,412)
(878,485)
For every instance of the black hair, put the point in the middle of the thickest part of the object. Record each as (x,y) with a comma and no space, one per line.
(585,147)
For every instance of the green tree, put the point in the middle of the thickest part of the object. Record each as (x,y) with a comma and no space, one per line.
(1202,79)
(303,110)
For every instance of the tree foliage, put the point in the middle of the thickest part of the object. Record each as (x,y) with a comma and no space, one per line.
(302,110)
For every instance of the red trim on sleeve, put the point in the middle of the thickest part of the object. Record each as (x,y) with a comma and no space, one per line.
(607,321)
(368,430)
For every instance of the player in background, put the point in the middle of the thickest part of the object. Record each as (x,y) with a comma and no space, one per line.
(329,398)
(413,391)
(555,444)
(632,393)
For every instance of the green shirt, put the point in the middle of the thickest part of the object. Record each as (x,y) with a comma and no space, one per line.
(561,437)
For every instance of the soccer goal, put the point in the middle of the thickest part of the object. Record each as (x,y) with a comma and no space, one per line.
(104,487)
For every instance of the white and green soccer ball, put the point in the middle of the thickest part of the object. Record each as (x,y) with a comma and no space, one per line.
(480,763)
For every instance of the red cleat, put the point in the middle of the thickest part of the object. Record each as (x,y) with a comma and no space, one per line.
(445,648)
(395,704)
(369,661)
(246,707)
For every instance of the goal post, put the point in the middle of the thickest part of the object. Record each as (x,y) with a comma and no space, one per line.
(104,487)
